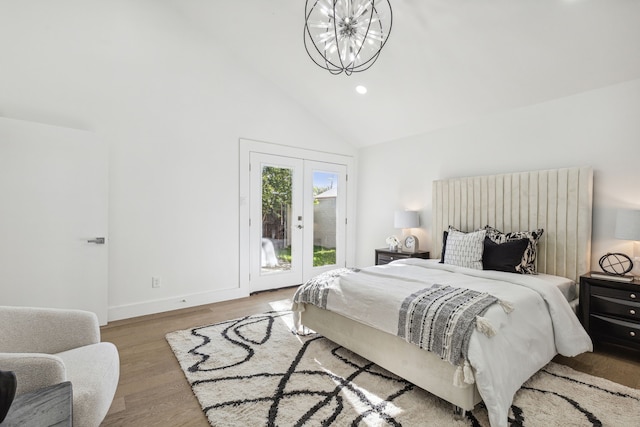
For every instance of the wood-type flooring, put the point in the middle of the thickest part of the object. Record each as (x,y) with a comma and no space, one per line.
(154,392)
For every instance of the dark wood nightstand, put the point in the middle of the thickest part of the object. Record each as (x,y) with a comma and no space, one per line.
(385,256)
(610,310)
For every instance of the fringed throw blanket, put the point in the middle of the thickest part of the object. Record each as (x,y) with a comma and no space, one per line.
(316,289)
(441,319)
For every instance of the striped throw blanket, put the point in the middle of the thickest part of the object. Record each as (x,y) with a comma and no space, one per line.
(441,319)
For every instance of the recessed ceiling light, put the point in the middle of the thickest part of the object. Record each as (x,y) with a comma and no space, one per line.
(361,89)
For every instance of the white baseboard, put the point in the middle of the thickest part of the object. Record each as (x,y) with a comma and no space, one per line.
(174,303)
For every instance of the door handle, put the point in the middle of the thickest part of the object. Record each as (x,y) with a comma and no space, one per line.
(97,241)
(300,226)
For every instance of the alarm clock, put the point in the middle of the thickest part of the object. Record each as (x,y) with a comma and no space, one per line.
(411,244)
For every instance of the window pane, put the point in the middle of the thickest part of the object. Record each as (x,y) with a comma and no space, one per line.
(276,219)
(325,192)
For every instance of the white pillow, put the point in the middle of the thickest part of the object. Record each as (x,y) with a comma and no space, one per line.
(465,249)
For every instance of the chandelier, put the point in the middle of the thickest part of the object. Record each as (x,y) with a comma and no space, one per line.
(346,35)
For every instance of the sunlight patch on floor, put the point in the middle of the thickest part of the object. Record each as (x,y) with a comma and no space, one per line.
(284,305)
(356,402)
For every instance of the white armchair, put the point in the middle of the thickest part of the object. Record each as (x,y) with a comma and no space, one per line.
(47,346)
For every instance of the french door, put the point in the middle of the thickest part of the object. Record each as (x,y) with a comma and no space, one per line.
(297,219)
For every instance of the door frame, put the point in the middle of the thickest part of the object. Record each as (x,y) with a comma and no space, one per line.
(248,146)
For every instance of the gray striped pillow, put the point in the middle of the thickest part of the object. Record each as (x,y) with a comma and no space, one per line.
(465,249)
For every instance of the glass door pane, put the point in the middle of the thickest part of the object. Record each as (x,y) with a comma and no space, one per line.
(325,210)
(277,187)
(325,192)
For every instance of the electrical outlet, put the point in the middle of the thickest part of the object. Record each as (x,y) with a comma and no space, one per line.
(155,282)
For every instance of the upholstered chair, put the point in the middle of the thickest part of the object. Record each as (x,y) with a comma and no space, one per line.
(45,346)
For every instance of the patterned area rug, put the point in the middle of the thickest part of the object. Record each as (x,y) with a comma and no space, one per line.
(254,371)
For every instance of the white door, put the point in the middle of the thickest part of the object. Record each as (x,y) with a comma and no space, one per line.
(325,212)
(297,219)
(53,201)
(276,221)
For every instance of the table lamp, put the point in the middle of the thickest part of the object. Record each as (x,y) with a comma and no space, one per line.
(628,228)
(404,220)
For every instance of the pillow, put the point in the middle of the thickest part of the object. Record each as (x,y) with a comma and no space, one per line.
(464,249)
(503,256)
(528,264)
(445,233)
(444,245)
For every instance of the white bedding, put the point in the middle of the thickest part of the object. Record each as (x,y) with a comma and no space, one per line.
(541,325)
(567,287)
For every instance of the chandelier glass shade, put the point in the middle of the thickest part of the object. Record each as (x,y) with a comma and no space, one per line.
(346,35)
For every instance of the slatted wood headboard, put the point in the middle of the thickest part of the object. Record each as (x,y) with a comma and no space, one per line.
(559,201)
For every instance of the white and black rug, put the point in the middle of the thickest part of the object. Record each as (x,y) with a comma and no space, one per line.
(254,371)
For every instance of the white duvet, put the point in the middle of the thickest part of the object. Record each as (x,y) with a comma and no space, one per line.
(541,325)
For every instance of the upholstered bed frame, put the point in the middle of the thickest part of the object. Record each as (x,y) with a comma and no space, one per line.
(559,201)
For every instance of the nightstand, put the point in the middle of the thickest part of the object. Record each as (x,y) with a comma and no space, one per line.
(610,310)
(385,256)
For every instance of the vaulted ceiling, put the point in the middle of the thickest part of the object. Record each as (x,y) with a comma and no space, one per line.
(446,62)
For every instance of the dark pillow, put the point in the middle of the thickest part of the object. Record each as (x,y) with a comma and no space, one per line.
(528,264)
(444,245)
(504,256)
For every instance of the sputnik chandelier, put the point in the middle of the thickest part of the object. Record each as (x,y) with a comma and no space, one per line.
(346,35)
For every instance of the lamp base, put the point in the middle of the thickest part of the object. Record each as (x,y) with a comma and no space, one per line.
(635,270)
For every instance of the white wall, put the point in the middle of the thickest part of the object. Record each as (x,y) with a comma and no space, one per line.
(600,128)
(172,110)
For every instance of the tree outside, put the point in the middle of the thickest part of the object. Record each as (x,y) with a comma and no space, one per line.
(276,202)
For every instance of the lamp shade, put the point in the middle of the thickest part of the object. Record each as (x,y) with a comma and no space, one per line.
(628,225)
(406,219)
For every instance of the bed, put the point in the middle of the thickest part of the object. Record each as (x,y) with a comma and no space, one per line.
(558,201)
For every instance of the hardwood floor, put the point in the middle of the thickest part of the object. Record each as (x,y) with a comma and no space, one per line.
(154,392)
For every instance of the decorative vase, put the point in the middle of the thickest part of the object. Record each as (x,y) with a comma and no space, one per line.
(7,392)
